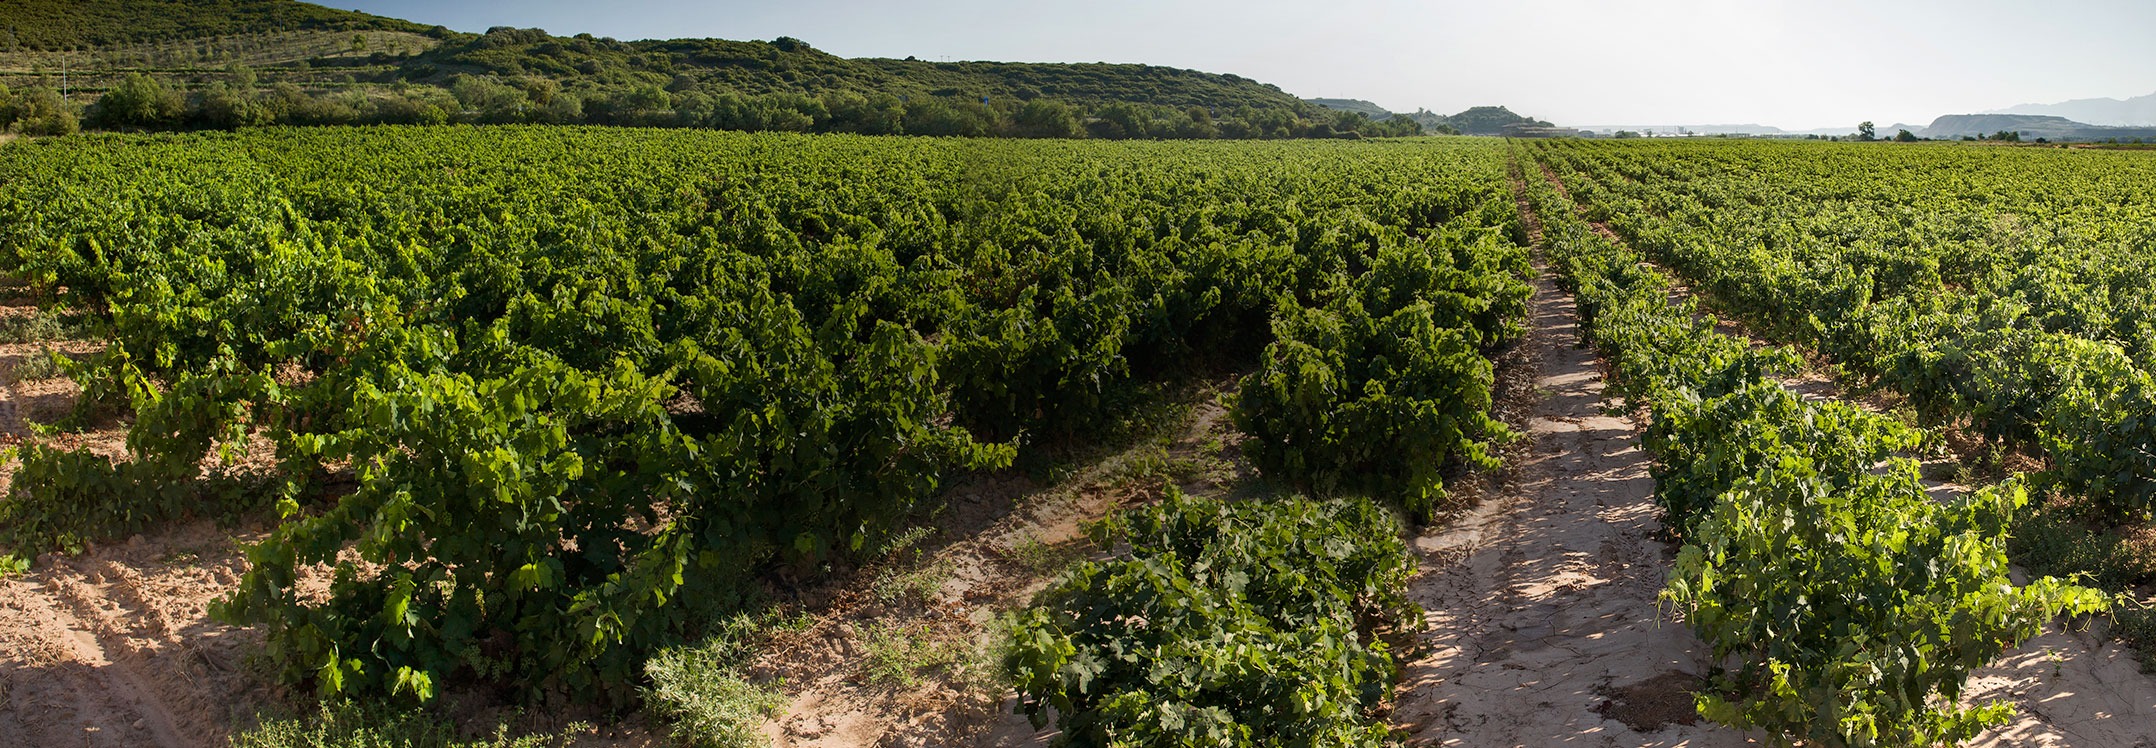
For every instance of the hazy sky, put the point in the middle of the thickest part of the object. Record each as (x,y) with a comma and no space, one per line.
(1815,63)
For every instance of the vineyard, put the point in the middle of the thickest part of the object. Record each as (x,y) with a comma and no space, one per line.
(545,399)
(549,415)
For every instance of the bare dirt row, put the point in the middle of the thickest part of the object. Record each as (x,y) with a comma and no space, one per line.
(1541,601)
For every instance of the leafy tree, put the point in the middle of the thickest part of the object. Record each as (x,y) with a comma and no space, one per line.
(1042,118)
(562,109)
(850,111)
(420,105)
(1119,120)
(785,112)
(647,104)
(139,101)
(1867,132)
(541,91)
(241,77)
(41,111)
(489,99)
(938,117)
(222,105)
(1196,123)
(1905,137)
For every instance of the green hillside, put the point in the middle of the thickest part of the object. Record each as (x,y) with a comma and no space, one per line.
(1367,108)
(48,25)
(510,74)
(1481,120)
(1489,120)
(180,64)
(792,66)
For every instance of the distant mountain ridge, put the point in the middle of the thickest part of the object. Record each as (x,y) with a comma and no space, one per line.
(2031,126)
(1739,129)
(1430,121)
(1481,120)
(2139,111)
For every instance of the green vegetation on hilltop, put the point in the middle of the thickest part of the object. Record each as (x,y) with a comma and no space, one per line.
(788,65)
(81,24)
(1366,108)
(1481,120)
(272,62)
(528,75)
(1489,120)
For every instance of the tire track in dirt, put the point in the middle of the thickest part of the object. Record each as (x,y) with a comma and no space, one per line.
(116,648)
(165,672)
(1543,627)
(86,695)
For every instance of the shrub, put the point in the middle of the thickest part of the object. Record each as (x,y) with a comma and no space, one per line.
(700,689)
(1348,402)
(1228,624)
(1858,611)
(138,101)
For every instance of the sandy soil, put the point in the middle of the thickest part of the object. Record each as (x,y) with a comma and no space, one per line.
(115,647)
(1543,628)
(2070,687)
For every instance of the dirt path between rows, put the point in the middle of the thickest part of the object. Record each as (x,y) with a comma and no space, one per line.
(852,680)
(1541,603)
(115,647)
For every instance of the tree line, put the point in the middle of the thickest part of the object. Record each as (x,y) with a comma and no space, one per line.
(238,99)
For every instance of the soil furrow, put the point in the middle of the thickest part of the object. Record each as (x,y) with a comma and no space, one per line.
(164,672)
(64,687)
